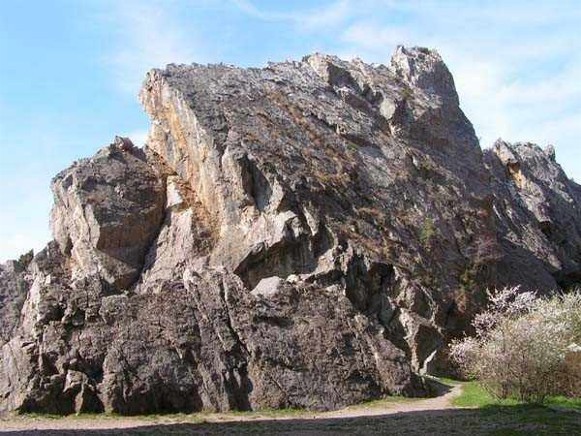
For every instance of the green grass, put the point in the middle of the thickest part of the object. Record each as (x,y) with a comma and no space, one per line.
(190,418)
(507,417)
(531,419)
(154,418)
(35,416)
(474,395)
(571,403)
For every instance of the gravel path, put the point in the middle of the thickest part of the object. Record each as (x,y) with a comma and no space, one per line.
(71,425)
(441,402)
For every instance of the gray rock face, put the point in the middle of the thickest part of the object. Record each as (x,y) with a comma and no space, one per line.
(310,234)
(539,216)
(107,212)
(14,284)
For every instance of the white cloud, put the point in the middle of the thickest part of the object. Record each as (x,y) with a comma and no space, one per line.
(309,20)
(24,201)
(148,35)
(16,244)
(138,137)
(332,15)
(476,13)
(374,37)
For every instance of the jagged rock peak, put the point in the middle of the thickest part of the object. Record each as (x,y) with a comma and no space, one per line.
(514,152)
(424,68)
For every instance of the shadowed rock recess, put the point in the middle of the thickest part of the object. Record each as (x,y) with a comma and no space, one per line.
(310,234)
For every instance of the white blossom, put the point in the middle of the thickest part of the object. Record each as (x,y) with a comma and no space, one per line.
(521,342)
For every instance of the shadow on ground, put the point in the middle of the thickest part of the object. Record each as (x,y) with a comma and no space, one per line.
(497,420)
(436,388)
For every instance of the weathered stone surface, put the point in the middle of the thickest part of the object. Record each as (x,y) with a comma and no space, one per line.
(14,284)
(204,343)
(107,212)
(538,210)
(311,176)
(310,234)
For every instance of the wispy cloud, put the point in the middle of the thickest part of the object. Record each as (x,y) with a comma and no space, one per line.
(25,200)
(370,36)
(313,19)
(138,137)
(17,243)
(148,34)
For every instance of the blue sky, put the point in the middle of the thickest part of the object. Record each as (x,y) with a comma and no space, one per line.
(70,71)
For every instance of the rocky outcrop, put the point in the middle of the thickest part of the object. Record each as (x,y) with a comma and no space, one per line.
(14,284)
(107,211)
(539,216)
(311,234)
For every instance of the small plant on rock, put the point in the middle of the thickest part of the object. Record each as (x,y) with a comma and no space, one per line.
(427,232)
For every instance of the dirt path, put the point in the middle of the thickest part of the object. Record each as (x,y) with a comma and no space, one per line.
(30,424)
(441,402)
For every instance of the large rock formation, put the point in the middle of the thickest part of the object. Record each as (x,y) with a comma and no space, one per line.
(310,234)
(538,210)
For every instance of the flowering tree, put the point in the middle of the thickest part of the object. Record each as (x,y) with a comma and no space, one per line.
(522,345)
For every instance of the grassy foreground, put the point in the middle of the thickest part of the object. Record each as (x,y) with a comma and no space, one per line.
(558,416)
(473,395)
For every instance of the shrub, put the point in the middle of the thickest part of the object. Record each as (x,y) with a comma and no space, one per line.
(522,346)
